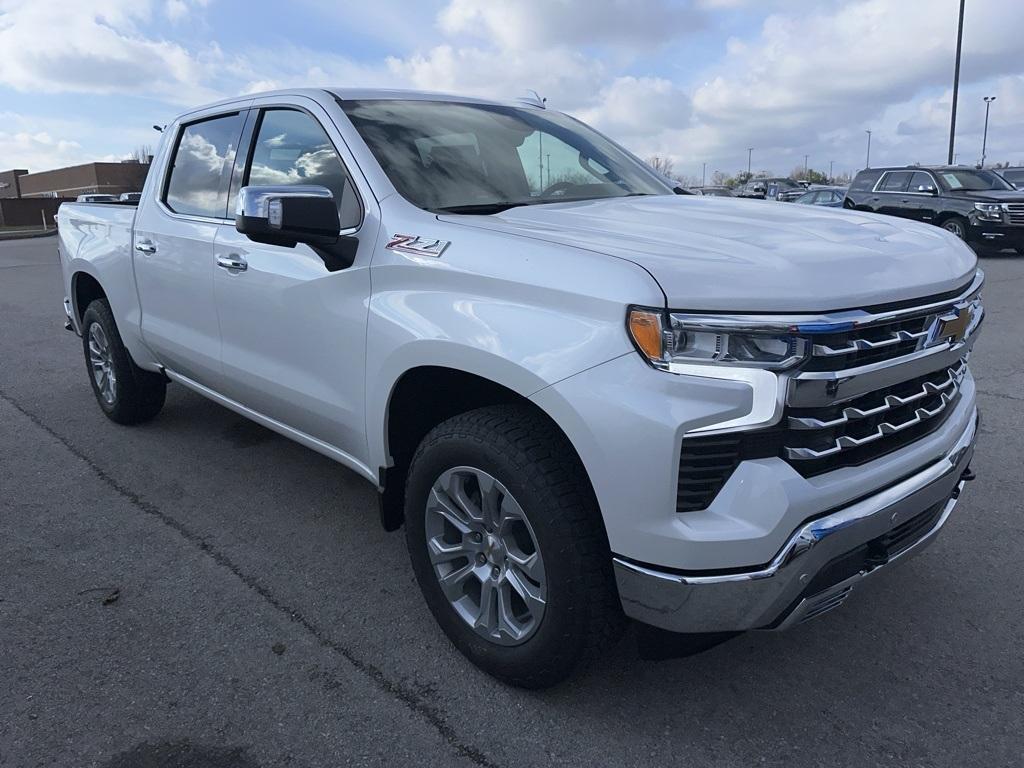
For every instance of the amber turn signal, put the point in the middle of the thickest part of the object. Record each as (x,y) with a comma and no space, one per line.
(645,328)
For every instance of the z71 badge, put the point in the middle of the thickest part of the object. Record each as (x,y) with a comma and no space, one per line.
(416,245)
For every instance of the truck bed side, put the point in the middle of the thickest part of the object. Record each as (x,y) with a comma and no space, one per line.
(95,247)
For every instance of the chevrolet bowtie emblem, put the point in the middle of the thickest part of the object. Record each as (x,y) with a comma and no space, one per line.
(954,326)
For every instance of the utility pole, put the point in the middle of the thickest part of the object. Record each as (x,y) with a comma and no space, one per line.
(703,174)
(956,79)
(984,141)
(830,171)
(750,151)
(867,162)
(805,166)
(549,169)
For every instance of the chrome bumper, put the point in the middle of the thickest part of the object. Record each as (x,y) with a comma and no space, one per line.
(785,591)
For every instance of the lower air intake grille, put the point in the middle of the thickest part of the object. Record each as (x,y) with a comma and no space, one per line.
(704,466)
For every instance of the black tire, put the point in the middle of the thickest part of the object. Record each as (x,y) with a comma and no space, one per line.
(533,460)
(138,395)
(957,225)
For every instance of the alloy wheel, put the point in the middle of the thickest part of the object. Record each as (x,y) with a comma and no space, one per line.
(955,227)
(101,361)
(485,555)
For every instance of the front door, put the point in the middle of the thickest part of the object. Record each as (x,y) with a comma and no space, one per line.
(293,331)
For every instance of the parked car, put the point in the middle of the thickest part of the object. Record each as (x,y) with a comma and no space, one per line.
(780,189)
(585,399)
(714,191)
(978,206)
(130,197)
(1013,175)
(829,197)
(96,198)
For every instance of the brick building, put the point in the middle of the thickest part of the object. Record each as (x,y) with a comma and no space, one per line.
(105,178)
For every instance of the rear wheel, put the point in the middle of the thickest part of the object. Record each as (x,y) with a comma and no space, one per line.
(508,548)
(126,393)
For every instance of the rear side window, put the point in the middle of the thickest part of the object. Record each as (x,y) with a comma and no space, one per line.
(198,183)
(865,181)
(292,148)
(895,181)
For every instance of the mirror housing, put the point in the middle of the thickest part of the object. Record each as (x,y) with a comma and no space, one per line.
(286,215)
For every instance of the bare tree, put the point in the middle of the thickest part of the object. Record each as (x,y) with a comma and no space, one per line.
(662,165)
(141,154)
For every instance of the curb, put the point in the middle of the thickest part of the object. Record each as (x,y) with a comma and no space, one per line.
(26,235)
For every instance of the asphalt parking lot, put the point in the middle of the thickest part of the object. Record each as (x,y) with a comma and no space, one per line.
(201,592)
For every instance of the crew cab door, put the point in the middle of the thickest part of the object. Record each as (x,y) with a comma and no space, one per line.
(293,328)
(173,245)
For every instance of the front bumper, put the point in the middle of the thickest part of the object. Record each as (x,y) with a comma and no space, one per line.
(995,234)
(817,567)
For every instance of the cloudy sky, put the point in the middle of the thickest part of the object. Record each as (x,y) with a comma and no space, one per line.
(696,80)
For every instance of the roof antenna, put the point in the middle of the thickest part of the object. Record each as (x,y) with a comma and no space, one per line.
(534,99)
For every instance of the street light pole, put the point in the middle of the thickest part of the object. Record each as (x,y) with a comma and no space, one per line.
(703,174)
(867,162)
(956,79)
(805,166)
(984,141)
(750,151)
(830,171)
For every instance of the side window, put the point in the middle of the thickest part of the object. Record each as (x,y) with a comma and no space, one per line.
(865,181)
(202,163)
(895,181)
(921,179)
(292,148)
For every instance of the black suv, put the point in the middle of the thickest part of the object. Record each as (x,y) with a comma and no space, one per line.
(978,206)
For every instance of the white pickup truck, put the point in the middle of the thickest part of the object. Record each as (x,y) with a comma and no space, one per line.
(585,397)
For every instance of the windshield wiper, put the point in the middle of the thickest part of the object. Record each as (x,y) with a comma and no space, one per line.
(483,209)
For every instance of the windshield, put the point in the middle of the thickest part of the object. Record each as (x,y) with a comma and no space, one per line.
(482,158)
(973,181)
(1015,177)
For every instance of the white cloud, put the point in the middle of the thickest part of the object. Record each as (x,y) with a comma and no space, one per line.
(535,24)
(66,46)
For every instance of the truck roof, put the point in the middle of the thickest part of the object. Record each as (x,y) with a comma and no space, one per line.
(356,94)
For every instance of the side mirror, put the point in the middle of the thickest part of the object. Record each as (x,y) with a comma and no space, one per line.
(288,215)
(928,189)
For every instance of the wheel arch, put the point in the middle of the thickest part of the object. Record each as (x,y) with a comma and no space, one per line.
(85,289)
(422,397)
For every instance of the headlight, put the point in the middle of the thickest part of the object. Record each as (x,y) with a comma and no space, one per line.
(665,338)
(989,211)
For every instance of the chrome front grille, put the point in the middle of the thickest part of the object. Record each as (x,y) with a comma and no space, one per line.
(1015,213)
(874,381)
(822,433)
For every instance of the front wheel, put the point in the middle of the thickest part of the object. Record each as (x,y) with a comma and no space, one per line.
(957,226)
(508,548)
(126,393)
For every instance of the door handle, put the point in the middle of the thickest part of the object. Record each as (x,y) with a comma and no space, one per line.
(233,262)
(145,246)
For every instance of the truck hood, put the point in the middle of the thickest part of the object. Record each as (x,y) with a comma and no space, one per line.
(714,253)
(993,195)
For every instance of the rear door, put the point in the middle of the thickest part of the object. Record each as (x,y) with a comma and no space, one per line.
(173,245)
(293,327)
(891,194)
